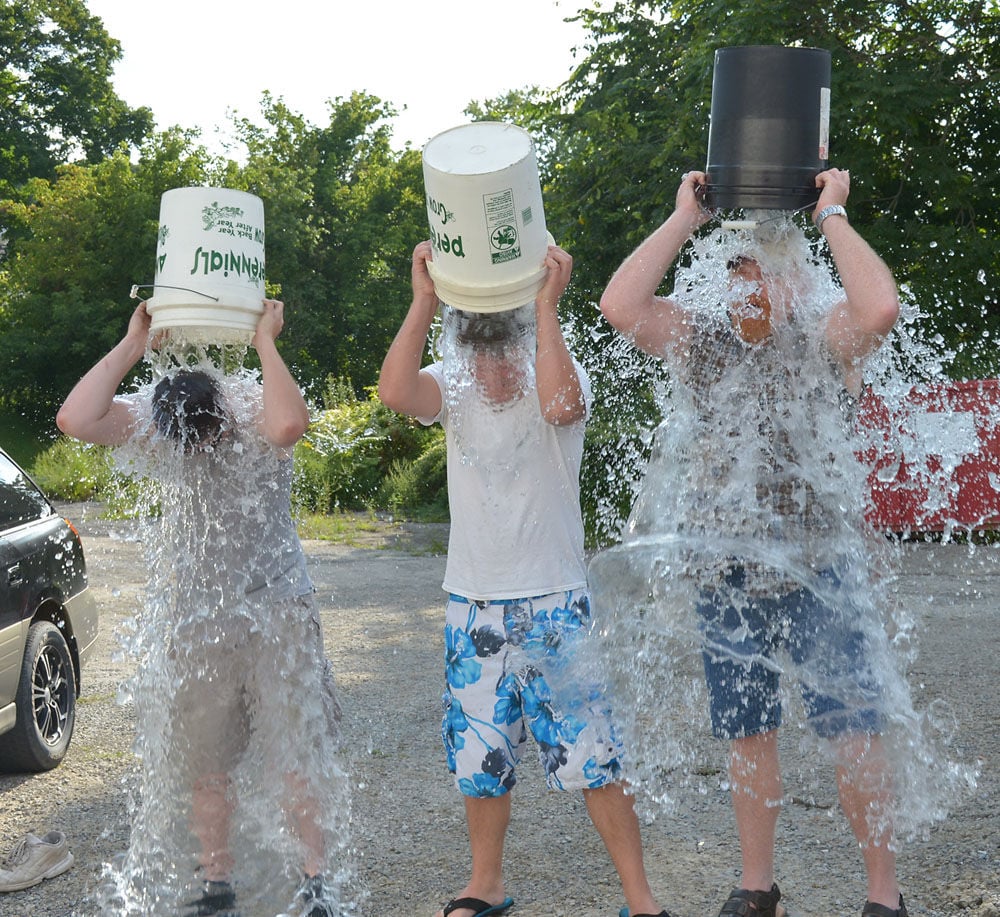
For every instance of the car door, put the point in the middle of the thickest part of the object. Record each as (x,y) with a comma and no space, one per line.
(25,532)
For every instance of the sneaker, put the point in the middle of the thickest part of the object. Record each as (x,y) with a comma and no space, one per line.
(32,859)
(313,899)
(218,899)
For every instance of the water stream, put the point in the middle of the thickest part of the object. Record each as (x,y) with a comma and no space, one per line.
(239,774)
(753,497)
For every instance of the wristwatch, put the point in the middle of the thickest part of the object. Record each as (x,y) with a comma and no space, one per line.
(829,211)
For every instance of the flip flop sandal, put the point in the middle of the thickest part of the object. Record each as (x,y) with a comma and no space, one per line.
(624,912)
(880,910)
(481,908)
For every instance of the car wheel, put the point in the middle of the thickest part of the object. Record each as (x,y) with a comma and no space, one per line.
(46,704)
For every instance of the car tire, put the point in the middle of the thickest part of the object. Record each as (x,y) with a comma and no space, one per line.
(46,704)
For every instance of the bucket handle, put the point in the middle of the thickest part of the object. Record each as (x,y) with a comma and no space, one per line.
(134,292)
(753,224)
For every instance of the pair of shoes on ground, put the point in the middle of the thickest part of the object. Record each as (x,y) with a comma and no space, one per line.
(624,912)
(745,903)
(33,859)
(479,907)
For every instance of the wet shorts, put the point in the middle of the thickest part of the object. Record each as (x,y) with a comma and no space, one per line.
(829,654)
(240,684)
(506,668)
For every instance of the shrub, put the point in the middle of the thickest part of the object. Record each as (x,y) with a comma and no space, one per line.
(350,449)
(418,489)
(72,470)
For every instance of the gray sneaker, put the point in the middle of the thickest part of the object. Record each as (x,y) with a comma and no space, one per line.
(33,859)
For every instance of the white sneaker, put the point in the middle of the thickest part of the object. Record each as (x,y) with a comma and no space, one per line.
(32,859)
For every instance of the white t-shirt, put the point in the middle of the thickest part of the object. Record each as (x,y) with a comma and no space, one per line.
(514,497)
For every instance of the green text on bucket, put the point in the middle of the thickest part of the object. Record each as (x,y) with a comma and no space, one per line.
(443,243)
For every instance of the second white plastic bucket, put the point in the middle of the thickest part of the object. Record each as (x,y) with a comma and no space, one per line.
(487,222)
(209,264)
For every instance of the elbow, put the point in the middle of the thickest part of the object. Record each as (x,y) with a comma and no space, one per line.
(64,421)
(390,396)
(562,410)
(886,313)
(288,431)
(610,308)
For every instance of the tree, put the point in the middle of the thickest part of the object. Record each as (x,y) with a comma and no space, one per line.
(343,212)
(86,236)
(56,97)
(915,117)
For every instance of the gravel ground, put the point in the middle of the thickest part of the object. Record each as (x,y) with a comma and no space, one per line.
(381,604)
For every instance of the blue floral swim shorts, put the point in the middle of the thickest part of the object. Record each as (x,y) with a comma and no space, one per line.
(509,672)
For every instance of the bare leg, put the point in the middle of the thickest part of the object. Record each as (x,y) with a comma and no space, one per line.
(866,789)
(487,819)
(302,811)
(211,809)
(613,814)
(755,778)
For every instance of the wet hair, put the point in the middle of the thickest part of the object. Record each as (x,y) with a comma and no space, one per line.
(736,262)
(188,408)
(490,329)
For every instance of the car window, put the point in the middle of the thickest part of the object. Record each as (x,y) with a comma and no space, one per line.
(20,500)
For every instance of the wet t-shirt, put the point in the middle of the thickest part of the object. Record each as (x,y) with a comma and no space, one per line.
(514,497)
(756,450)
(226,534)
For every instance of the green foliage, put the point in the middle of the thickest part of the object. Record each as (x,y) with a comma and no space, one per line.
(418,488)
(343,214)
(56,95)
(71,470)
(23,438)
(349,450)
(915,117)
(85,237)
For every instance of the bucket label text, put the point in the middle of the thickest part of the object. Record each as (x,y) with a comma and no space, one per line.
(501,224)
(443,243)
(228,263)
(440,210)
(230,221)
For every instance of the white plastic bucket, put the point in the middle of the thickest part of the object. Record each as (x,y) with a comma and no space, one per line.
(487,222)
(209,264)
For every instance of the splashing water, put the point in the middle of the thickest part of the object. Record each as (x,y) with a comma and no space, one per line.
(488,361)
(747,547)
(239,775)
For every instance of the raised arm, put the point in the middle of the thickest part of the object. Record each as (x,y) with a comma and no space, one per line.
(654,323)
(285,417)
(90,411)
(401,385)
(559,394)
(859,324)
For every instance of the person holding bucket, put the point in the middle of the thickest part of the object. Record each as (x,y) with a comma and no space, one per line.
(513,403)
(765,374)
(243,794)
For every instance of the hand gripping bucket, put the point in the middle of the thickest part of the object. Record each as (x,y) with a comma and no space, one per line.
(487,223)
(769,132)
(209,265)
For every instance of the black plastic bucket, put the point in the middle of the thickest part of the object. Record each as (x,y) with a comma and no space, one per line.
(769,130)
